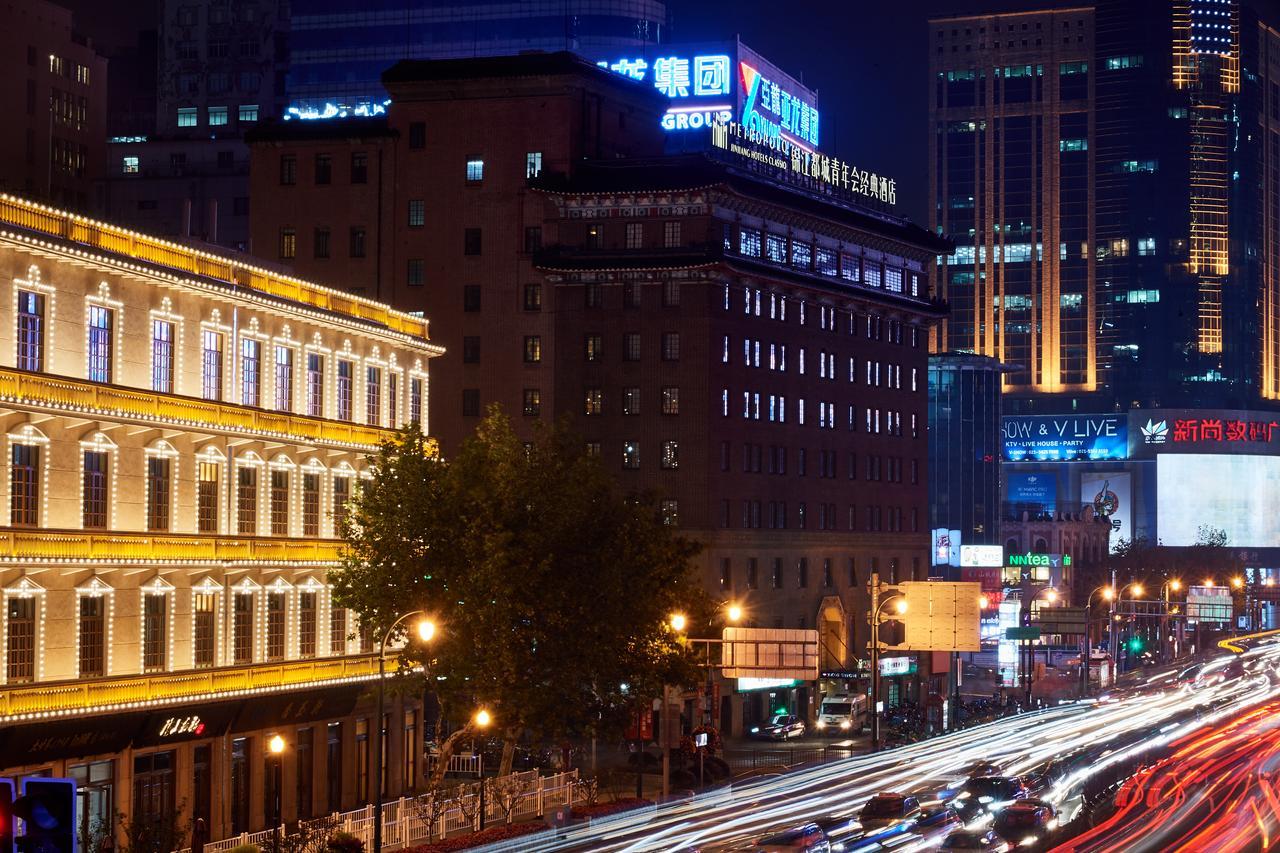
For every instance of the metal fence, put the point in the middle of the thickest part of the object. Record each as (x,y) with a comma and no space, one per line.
(787,757)
(406,822)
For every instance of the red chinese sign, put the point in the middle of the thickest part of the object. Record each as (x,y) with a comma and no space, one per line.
(1217,429)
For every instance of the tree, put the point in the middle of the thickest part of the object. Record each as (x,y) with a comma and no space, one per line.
(1153,562)
(551,587)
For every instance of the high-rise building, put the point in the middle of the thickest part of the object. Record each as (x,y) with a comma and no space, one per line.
(964,449)
(748,343)
(54,99)
(182,433)
(340,48)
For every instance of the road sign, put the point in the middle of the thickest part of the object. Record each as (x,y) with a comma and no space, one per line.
(1063,620)
(1022,632)
(941,616)
(769,653)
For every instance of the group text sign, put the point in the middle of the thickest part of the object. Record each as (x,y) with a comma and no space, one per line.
(1065,438)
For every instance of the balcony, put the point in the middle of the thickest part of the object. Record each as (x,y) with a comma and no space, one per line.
(65,698)
(162,253)
(81,397)
(53,545)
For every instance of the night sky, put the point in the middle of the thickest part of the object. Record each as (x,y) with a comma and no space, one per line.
(866,58)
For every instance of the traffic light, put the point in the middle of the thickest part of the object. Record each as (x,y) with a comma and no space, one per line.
(47,809)
(6,816)
(1135,644)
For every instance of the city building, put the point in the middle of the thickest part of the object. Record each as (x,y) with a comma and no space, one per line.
(748,341)
(182,430)
(56,97)
(964,451)
(1109,175)
(340,49)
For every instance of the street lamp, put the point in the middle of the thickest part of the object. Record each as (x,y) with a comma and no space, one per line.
(678,622)
(276,747)
(481,721)
(734,612)
(899,602)
(426,631)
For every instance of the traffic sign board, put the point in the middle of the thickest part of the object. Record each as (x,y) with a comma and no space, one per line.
(1022,632)
(1063,620)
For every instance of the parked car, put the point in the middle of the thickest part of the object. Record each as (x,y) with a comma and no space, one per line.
(890,810)
(1025,821)
(975,839)
(780,727)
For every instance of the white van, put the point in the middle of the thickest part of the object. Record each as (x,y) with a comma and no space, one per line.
(842,713)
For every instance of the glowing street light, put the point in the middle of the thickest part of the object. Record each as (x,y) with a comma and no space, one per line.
(734,613)
(678,622)
(276,745)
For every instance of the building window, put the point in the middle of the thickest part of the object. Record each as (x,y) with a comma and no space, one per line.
(532,402)
(631,346)
(162,356)
(777,573)
(247,500)
(470,349)
(94,498)
(471,241)
(188,117)
(341,497)
(315,385)
(24,480)
(284,379)
(101,328)
(671,400)
(635,235)
(631,401)
(275,625)
(670,510)
(594,402)
(324,168)
(279,503)
(471,402)
(532,349)
(155,625)
(250,372)
(393,399)
(417,212)
(631,454)
(533,297)
(20,640)
(320,243)
(307,622)
(671,234)
(93,639)
(288,170)
(357,241)
(475,170)
(532,238)
(416,273)
(206,613)
(671,455)
(288,244)
(248,113)
(670,346)
(373,396)
(471,298)
(595,236)
(359,167)
(417,134)
(415,399)
(310,504)
(207,475)
(217,116)
(130,166)
(242,628)
(670,294)
(631,295)
(159,490)
(533,164)
(30,331)
(346,380)
(593,348)
(211,365)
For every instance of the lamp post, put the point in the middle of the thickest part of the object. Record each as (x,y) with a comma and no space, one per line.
(900,605)
(276,747)
(481,721)
(1169,586)
(1137,592)
(1051,596)
(426,631)
(1108,595)
(1237,584)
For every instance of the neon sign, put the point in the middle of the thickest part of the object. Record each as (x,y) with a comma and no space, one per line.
(771,111)
(365,109)
(1221,430)
(701,84)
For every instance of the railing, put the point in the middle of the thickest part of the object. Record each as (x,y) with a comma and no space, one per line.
(403,824)
(67,226)
(17,544)
(98,694)
(466,764)
(81,397)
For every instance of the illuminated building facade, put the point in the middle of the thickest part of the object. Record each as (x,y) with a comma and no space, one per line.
(1148,274)
(181,431)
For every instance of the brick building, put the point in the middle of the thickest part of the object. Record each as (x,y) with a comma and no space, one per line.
(754,351)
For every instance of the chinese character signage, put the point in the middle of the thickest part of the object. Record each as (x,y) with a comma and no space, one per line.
(1032,492)
(1158,431)
(1065,438)
(721,82)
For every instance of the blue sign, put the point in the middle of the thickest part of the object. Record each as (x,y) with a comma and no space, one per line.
(700,85)
(1039,489)
(773,112)
(362,109)
(1065,438)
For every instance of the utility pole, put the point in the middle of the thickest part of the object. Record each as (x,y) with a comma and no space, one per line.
(874,643)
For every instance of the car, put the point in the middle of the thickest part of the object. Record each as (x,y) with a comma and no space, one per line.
(1026,821)
(780,727)
(975,839)
(810,837)
(888,809)
(1188,675)
(981,768)
(1036,782)
(987,793)
(936,817)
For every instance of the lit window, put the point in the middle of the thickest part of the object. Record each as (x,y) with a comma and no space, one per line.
(631,454)
(24,485)
(284,379)
(475,170)
(101,326)
(670,455)
(250,373)
(217,116)
(315,385)
(533,164)
(130,165)
(188,117)
(346,375)
(162,356)
(417,212)
(30,331)
(248,112)
(373,396)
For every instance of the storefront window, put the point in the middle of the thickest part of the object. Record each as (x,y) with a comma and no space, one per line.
(94,801)
(153,790)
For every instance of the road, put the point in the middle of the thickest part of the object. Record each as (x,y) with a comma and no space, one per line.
(1217,790)
(1122,724)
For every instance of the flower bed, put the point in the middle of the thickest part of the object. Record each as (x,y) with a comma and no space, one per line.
(479,839)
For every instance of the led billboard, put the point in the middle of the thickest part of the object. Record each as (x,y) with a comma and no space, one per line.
(1065,438)
(1236,494)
